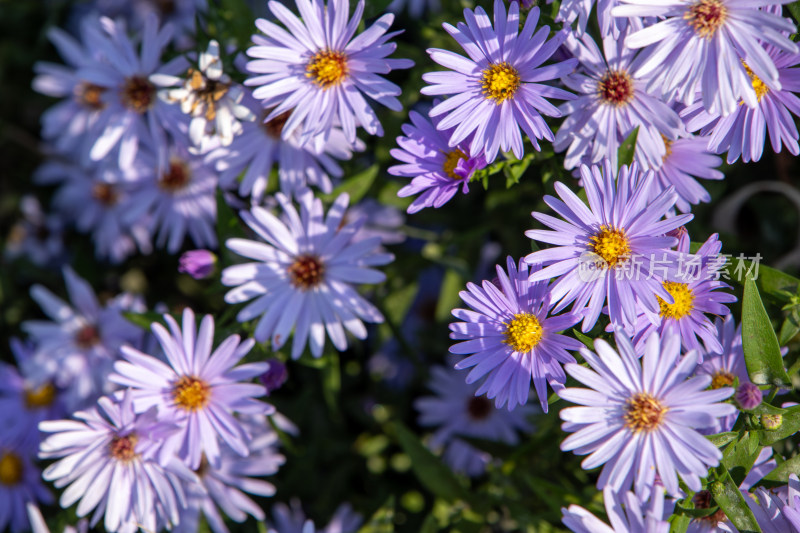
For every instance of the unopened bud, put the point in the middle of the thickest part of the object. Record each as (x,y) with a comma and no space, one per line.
(197,263)
(748,396)
(772,422)
(275,376)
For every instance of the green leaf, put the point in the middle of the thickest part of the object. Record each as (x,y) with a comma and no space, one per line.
(794,9)
(355,186)
(721,439)
(431,472)
(781,472)
(771,282)
(740,455)
(628,148)
(430,525)
(679,523)
(762,353)
(789,426)
(789,329)
(584,339)
(332,381)
(729,498)
(144,320)
(382,520)
(452,284)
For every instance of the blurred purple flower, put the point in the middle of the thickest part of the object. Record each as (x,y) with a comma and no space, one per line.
(275,376)
(197,263)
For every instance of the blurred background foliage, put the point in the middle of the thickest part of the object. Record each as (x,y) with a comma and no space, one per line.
(359,441)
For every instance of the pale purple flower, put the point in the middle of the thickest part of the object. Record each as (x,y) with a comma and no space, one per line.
(303,273)
(695,300)
(20,483)
(774,514)
(223,488)
(640,418)
(743,133)
(179,194)
(498,88)
(198,390)
(320,70)
(383,221)
(112,462)
(612,102)
(626,514)
(703,46)
(76,347)
(615,250)
(456,412)
(512,337)
(275,376)
(37,236)
(437,170)
(291,519)
(246,164)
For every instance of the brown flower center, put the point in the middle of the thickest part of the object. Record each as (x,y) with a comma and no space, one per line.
(191,393)
(479,407)
(616,88)
(274,127)
(306,272)
(87,337)
(105,194)
(706,16)
(643,412)
(138,94)
(90,95)
(123,449)
(176,177)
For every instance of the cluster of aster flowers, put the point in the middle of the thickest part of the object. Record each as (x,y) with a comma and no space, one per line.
(154,136)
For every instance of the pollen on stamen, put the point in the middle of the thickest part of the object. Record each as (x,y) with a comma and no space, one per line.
(327,68)
(191,393)
(683,301)
(611,244)
(643,412)
(500,82)
(523,332)
(722,378)
(706,16)
(759,86)
(207,93)
(616,88)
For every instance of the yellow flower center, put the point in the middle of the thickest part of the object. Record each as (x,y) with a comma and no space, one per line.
(523,333)
(667,148)
(306,272)
(615,88)
(758,86)
(683,298)
(191,393)
(722,378)
(327,68)
(41,397)
(11,468)
(123,449)
(643,412)
(500,82)
(451,162)
(706,16)
(611,244)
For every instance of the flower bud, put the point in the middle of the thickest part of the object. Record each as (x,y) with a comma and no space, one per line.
(748,396)
(275,376)
(197,263)
(771,422)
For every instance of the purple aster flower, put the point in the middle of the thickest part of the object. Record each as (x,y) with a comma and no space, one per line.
(694,300)
(198,390)
(615,250)
(626,513)
(415,7)
(20,483)
(131,114)
(639,417)
(94,199)
(512,338)
(686,160)
(318,70)
(498,89)
(291,519)
(197,263)
(438,170)
(612,102)
(72,125)
(75,349)
(456,411)
(773,513)
(703,46)
(744,132)
(571,10)
(302,275)
(792,508)
(247,163)
(38,236)
(179,193)
(112,461)
(725,366)
(225,487)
